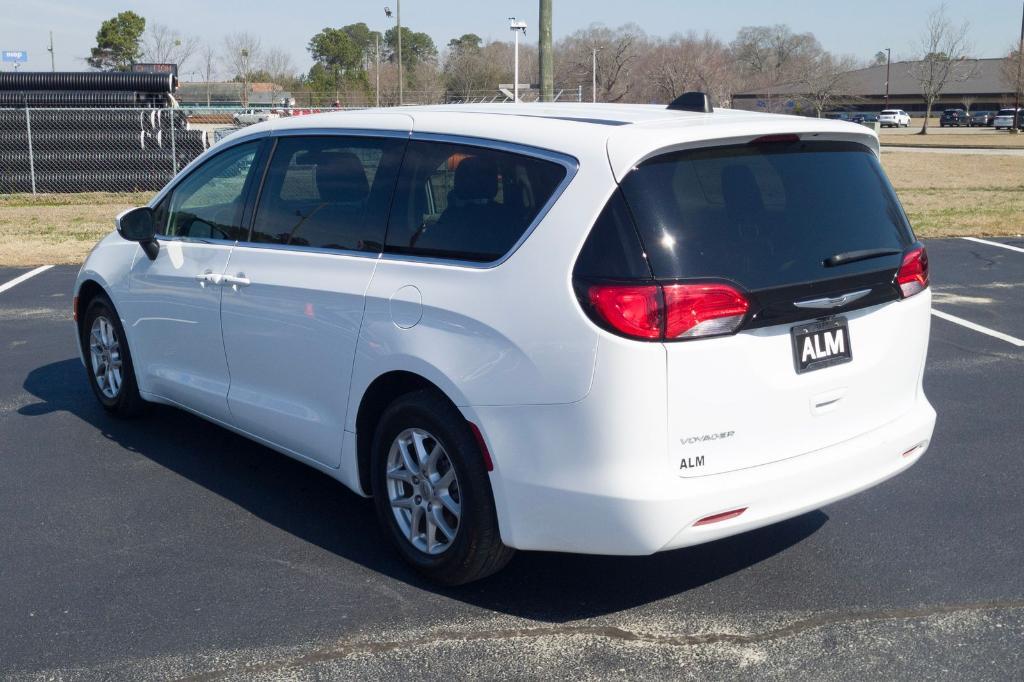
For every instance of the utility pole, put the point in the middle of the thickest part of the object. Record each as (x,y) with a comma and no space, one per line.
(516,26)
(245,77)
(888,64)
(52,66)
(1016,94)
(547,76)
(376,90)
(593,76)
(401,85)
(398,16)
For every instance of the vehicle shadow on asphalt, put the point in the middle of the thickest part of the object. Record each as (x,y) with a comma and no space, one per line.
(543,586)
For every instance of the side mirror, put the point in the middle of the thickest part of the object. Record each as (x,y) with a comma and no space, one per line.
(139,225)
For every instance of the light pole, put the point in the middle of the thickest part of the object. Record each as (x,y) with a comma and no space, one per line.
(1016,94)
(398,18)
(888,64)
(593,75)
(516,26)
(50,50)
(376,90)
(245,77)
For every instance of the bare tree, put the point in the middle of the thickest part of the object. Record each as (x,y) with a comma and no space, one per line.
(824,82)
(164,45)
(1012,70)
(968,101)
(618,51)
(207,66)
(279,68)
(942,59)
(770,57)
(686,62)
(240,55)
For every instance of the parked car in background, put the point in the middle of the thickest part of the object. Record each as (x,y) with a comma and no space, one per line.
(864,118)
(250,116)
(954,118)
(982,119)
(1004,119)
(894,118)
(560,327)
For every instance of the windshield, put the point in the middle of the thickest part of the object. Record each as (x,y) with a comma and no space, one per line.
(765,215)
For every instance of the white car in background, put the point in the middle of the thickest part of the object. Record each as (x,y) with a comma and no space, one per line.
(894,118)
(1004,119)
(251,116)
(606,329)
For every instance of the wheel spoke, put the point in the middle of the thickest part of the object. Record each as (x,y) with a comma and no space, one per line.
(414,523)
(446,480)
(430,467)
(403,503)
(400,474)
(450,504)
(421,451)
(436,519)
(431,532)
(408,459)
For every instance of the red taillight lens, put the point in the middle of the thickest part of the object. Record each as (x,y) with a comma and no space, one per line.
(633,310)
(913,274)
(696,310)
(671,311)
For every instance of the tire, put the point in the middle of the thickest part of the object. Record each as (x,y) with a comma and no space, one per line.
(104,344)
(476,550)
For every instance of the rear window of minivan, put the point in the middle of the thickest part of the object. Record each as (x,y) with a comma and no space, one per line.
(765,215)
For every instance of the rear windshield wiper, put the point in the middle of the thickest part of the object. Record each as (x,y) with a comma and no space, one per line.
(854,256)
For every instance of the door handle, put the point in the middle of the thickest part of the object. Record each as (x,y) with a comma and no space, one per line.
(209,277)
(239,280)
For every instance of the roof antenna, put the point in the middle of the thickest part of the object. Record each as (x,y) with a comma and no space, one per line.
(692,101)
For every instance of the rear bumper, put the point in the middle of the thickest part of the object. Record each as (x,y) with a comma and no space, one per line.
(642,508)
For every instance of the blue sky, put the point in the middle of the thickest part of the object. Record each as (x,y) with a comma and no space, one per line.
(853,27)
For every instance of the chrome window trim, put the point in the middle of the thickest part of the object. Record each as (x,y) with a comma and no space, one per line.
(375,255)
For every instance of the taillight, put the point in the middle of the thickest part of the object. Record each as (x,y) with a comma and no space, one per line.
(913,273)
(695,310)
(634,310)
(659,312)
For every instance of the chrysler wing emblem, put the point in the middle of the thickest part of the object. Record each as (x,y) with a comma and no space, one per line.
(836,302)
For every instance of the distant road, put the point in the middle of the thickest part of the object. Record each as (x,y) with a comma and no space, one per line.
(954,150)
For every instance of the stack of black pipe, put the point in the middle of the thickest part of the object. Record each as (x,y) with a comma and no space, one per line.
(85,89)
(51,149)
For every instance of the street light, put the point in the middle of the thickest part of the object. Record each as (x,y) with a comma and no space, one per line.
(245,77)
(888,63)
(398,18)
(516,26)
(593,75)
(1016,94)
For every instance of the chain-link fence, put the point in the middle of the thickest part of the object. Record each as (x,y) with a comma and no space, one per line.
(65,150)
(94,150)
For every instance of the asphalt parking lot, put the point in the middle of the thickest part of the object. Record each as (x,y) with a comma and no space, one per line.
(169,548)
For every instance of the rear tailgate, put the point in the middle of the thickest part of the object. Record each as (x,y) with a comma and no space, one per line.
(810,230)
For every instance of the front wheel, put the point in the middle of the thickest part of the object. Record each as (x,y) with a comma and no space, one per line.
(108,361)
(432,493)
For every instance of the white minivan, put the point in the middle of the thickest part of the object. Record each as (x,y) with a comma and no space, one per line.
(605,329)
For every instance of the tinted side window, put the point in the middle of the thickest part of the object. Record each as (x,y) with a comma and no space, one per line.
(613,249)
(470,203)
(208,203)
(328,192)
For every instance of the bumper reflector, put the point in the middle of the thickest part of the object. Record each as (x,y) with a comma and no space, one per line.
(724,516)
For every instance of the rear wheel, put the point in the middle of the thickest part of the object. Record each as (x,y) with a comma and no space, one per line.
(432,493)
(108,361)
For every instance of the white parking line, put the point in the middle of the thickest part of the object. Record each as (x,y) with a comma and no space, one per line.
(999,244)
(978,328)
(21,278)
